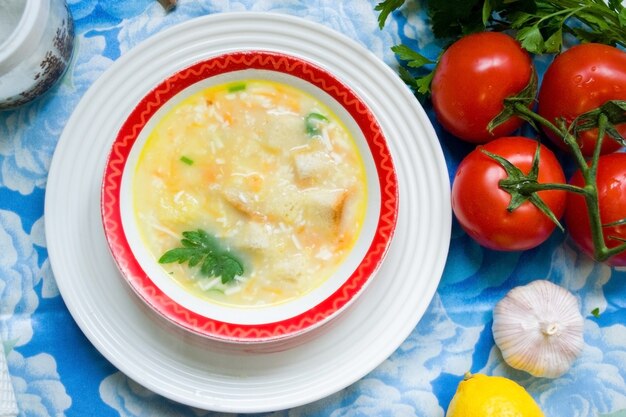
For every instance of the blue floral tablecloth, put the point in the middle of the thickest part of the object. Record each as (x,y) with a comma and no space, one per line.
(57,372)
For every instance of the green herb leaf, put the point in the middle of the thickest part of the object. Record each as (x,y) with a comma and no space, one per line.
(452,19)
(596,312)
(313,123)
(202,249)
(541,24)
(487,10)
(622,17)
(228,268)
(596,21)
(520,19)
(186,160)
(179,255)
(408,78)
(385,8)
(413,59)
(420,84)
(615,4)
(553,44)
(423,83)
(531,39)
(233,88)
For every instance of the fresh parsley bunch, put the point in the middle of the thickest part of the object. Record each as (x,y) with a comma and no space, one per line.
(538,25)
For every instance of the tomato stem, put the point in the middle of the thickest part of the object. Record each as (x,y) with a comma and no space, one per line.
(561,132)
(588,170)
(593,168)
(522,187)
(601,251)
(533,187)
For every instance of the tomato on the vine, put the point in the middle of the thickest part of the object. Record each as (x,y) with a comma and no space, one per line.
(579,80)
(480,204)
(472,79)
(611,185)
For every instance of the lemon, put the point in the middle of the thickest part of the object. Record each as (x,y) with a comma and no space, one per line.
(491,396)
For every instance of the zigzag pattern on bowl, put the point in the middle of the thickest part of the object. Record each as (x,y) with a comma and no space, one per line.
(147,107)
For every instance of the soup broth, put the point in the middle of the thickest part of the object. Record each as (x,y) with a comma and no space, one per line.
(268,171)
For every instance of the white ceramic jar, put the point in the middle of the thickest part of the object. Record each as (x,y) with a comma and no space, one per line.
(36,43)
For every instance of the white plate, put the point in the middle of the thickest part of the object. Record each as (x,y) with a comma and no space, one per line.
(213,375)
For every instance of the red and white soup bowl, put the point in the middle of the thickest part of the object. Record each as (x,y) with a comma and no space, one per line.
(270,323)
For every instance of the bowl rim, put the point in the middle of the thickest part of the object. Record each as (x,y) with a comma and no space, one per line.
(222,63)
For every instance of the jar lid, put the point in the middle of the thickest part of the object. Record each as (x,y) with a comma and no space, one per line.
(26,36)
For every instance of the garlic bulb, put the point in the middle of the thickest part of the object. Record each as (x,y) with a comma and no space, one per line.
(539,328)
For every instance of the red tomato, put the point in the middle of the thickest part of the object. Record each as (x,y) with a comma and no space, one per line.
(611,182)
(480,205)
(581,79)
(473,77)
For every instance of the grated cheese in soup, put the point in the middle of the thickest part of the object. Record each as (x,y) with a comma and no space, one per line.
(266,169)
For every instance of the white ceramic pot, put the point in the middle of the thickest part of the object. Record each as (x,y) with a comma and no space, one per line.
(36,43)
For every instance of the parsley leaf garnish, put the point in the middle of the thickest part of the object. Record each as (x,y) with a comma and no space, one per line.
(186,160)
(596,312)
(201,249)
(313,123)
(233,88)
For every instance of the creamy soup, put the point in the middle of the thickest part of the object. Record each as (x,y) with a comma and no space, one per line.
(268,172)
